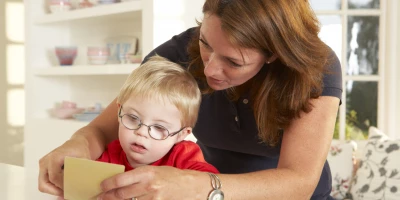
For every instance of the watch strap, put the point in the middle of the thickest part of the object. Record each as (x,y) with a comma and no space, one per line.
(216,193)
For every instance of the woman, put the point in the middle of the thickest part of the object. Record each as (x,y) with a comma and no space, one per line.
(272,90)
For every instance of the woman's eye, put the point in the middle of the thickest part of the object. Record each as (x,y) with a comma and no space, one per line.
(204,43)
(234,64)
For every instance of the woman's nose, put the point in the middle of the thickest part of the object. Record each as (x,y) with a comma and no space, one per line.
(212,66)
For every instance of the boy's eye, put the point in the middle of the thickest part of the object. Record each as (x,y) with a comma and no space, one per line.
(159,130)
(133,118)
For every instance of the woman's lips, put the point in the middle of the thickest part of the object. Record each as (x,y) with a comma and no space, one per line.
(138,148)
(215,80)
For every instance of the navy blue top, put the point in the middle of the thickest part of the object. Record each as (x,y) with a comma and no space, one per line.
(227,132)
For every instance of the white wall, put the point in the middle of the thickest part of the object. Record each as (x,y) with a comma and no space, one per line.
(398,71)
(173,17)
(3,99)
(11,77)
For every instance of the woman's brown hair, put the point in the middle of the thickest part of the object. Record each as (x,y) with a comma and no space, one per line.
(285,28)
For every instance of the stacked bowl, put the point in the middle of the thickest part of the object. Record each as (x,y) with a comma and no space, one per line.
(98,55)
(66,110)
(57,6)
(108,1)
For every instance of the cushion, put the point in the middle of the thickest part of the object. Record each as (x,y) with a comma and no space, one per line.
(378,173)
(341,164)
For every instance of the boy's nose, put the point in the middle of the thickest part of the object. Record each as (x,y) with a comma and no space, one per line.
(143,131)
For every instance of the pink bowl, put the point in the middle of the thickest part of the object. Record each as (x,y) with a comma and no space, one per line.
(134,58)
(66,55)
(68,104)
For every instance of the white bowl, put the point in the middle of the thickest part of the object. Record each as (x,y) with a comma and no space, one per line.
(98,60)
(98,51)
(57,8)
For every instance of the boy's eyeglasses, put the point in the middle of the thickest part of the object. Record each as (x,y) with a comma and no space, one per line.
(157,132)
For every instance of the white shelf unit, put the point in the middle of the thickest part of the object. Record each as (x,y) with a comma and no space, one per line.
(88,70)
(152,21)
(103,11)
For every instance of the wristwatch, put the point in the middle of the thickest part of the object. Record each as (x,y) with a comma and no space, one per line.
(216,193)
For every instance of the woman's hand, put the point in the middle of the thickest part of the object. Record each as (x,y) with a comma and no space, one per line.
(156,182)
(51,174)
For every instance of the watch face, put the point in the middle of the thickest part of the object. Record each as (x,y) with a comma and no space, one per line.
(216,195)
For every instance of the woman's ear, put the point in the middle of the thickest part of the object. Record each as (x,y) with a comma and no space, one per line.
(184,133)
(271,59)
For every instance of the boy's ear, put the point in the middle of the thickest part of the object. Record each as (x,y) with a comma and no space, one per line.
(119,106)
(184,133)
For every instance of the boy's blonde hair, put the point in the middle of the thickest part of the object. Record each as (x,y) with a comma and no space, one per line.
(166,80)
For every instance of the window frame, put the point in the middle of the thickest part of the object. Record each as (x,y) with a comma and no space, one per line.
(392,57)
(387,114)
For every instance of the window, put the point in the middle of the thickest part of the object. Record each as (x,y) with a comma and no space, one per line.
(12,66)
(354,29)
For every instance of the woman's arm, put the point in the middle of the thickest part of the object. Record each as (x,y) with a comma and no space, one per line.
(88,142)
(304,150)
(305,146)
(101,131)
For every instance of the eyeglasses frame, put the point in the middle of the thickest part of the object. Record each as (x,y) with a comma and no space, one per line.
(148,126)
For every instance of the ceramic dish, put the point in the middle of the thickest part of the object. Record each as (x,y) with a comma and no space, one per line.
(121,46)
(65,113)
(66,54)
(86,117)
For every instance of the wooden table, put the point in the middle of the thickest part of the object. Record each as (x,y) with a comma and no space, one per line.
(16,184)
(12,182)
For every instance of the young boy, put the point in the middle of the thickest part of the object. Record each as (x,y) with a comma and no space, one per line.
(158,106)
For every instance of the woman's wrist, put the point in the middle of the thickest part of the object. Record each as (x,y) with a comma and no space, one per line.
(79,136)
(216,191)
(201,183)
(93,141)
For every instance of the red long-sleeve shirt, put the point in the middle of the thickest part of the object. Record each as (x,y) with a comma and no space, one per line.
(183,155)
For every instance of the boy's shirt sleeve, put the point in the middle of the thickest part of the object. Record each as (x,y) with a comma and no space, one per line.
(112,153)
(188,155)
(105,157)
(184,155)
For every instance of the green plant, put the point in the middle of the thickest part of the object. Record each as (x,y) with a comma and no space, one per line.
(352,132)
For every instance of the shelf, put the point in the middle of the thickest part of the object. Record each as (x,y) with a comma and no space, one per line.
(69,126)
(62,122)
(55,130)
(94,12)
(87,70)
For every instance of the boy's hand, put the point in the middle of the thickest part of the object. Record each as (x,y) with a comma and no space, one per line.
(51,177)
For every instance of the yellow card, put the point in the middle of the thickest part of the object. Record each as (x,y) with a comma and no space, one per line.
(82,177)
